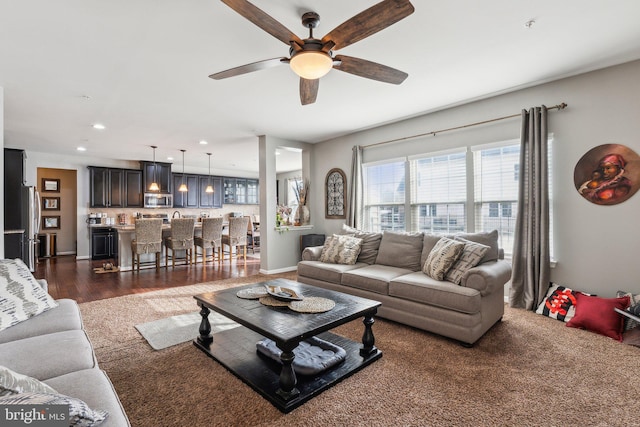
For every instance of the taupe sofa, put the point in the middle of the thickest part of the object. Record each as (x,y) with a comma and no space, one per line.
(54,348)
(389,270)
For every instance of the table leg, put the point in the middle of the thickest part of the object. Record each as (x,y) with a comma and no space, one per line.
(288,380)
(368,340)
(205,337)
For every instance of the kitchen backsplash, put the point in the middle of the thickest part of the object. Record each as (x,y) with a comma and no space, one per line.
(130,213)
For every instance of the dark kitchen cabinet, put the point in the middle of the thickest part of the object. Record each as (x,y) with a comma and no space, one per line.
(241,191)
(210,200)
(161,172)
(106,187)
(185,199)
(104,243)
(133,188)
(229,191)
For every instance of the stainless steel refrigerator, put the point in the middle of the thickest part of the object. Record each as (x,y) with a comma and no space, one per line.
(31,224)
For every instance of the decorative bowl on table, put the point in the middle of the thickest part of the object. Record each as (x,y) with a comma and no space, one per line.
(283,294)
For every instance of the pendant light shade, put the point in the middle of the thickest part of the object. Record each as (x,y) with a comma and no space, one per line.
(154,184)
(209,188)
(183,187)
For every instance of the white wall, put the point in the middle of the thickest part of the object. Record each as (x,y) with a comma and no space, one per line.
(595,246)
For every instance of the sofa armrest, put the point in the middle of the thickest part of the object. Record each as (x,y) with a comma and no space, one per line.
(488,277)
(312,253)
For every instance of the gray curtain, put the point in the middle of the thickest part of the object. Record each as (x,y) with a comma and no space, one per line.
(354,207)
(531,260)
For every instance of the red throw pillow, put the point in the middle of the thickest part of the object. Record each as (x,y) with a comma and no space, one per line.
(597,315)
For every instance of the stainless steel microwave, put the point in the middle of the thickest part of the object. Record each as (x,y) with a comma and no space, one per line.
(158,200)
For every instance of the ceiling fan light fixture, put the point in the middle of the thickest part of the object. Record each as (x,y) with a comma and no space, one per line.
(311,65)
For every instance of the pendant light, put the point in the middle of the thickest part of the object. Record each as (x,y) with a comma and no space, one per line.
(183,187)
(209,188)
(154,184)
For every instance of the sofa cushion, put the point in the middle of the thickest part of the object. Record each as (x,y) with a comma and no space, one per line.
(370,243)
(341,249)
(488,239)
(12,382)
(374,278)
(442,257)
(21,296)
(428,242)
(421,288)
(80,414)
(64,317)
(49,355)
(470,257)
(326,272)
(95,389)
(401,250)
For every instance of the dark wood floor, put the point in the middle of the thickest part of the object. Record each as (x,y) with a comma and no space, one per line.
(68,278)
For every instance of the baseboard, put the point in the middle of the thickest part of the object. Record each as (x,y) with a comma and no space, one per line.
(279,270)
(82,257)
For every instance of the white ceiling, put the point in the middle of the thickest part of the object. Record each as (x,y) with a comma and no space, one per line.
(140,68)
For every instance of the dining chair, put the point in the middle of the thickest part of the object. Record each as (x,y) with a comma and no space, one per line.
(253,235)
(181,239)
(147,240)
(211,239)
(237,237)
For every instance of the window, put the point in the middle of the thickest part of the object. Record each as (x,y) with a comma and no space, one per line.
(496,171)
(472,190)
(439,193)
(384,196)
(292,185)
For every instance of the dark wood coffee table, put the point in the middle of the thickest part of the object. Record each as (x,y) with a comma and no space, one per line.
(236,350)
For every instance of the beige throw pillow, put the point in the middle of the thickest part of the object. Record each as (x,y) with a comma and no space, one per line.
(470,257)
(443,255)
(341,249)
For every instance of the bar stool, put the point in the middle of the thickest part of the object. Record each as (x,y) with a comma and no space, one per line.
(147,240)
(237,237)
(181,239)
(211,238)
(253,235)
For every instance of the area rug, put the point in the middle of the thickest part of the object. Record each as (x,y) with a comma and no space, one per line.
(527,370)
(170,331)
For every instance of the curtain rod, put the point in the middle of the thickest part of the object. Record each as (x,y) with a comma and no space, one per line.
(560,106)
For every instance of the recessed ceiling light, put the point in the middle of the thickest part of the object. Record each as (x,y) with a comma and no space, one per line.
(81,149)
(169,158)
(203,142)
(99,126)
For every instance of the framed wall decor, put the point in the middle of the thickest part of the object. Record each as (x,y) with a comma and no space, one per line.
(51,203)
(51,222)
(335,190)
(51,185)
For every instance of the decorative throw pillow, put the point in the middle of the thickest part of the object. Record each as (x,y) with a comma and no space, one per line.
(21,297)
(79,412)
(634,309)
(341,249)
(559,303)
(400,249)
(370,243)
(13,383)
(443,255)
(597,315)
(470,257)
(487,238)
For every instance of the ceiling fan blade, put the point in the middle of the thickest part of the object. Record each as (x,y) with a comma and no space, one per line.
(376,18)
(262,20)
(308,90)
(249,68)
(369,70)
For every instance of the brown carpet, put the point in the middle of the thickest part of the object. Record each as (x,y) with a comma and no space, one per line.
(526,371)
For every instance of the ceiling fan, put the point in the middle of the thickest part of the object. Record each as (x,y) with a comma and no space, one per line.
(312,58)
